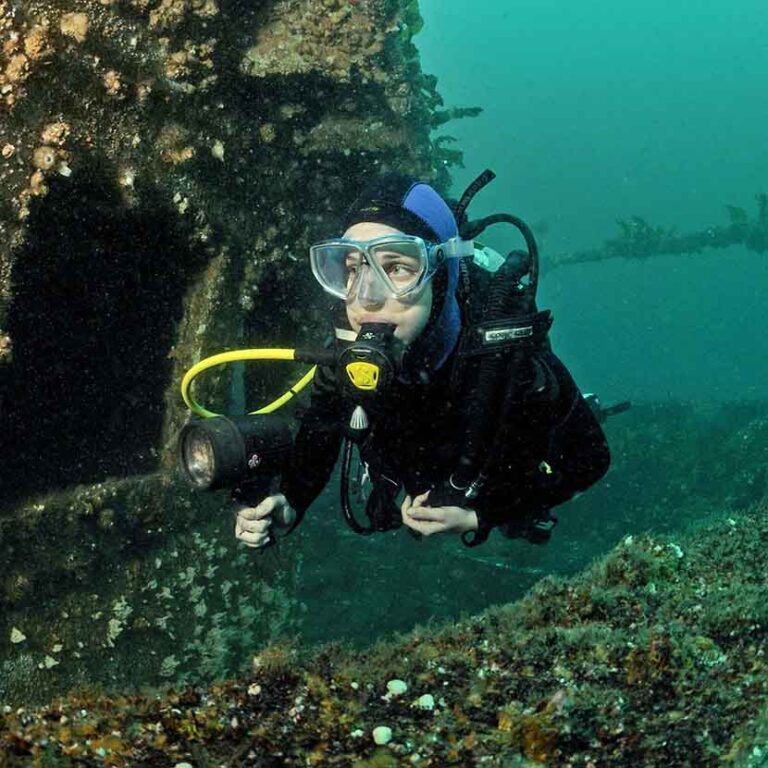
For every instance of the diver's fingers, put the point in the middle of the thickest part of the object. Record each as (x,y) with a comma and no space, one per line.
(428,514)
(253,539)
(417,501)
(252,526)
(251,514)
(425,520)
(263,509)
(404,507)
(424,527)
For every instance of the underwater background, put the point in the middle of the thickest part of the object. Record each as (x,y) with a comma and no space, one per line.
(190,147)
(596,111)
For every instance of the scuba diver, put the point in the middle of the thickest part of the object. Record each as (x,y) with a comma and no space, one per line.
(452,393)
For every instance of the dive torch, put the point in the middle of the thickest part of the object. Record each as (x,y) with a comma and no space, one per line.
(246,453)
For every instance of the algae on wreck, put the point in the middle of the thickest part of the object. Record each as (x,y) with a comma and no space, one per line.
(160,182)
(130,583)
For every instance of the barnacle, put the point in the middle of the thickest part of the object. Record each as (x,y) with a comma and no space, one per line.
(75,25)
(44,158)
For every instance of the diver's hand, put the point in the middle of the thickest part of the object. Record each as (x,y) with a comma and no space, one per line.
(429,520)
(252,524)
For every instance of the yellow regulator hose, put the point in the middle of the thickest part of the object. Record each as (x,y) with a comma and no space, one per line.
(237,356)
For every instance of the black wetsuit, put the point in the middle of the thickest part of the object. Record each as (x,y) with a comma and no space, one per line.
(554,447)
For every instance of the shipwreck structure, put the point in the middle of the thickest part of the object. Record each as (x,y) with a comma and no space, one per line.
(165,164)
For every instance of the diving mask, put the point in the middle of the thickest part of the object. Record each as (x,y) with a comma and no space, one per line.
(392,266)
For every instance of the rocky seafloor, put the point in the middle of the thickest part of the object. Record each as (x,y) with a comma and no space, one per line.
(655,655)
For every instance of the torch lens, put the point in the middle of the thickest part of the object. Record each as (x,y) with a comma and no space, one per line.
(198,458)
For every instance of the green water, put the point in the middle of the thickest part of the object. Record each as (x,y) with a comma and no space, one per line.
(598,110)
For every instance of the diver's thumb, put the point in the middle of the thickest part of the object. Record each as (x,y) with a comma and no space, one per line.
(284,514)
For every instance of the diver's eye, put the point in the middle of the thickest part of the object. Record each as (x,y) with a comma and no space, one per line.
(400,270)
(402,273)
(352,268)
(352,261)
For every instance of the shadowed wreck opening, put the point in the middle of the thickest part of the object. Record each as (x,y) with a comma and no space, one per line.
(98,291)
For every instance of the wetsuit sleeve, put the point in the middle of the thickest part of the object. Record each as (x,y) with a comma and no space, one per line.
(556,450)
(316,446)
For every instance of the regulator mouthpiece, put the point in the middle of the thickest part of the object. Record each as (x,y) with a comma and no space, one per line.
(369,364)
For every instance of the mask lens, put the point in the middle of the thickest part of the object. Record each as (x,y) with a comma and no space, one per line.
(335,266)
(403,263)
(393,268)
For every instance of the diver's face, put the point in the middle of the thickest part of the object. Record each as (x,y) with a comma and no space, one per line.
(409,318)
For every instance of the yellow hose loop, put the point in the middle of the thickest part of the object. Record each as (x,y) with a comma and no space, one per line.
(286,396)
(236,356)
